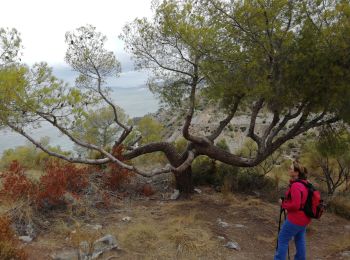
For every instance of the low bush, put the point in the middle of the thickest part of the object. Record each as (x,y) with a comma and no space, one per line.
(209,172)
(15,184)
(8,244)
(28,156)
(61,178)
(340,205)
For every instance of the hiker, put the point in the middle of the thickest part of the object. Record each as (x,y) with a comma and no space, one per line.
(297,220)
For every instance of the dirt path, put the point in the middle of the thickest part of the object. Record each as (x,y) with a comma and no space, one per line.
(190,230)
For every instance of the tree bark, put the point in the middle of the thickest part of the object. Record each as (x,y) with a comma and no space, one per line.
(184,181)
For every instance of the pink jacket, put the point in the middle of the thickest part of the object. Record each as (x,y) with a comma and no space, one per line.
(295,199)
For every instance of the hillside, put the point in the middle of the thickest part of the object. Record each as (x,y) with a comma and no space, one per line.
(190,229)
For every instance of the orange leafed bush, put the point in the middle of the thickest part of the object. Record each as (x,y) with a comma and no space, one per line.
(16,185)
(8,243)
(61,178)
(115,175)
(147,190)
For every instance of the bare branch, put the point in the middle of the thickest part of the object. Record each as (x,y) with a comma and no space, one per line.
(58,155)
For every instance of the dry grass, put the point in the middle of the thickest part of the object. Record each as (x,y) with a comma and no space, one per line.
(339,245)
(340,205)
(180,236)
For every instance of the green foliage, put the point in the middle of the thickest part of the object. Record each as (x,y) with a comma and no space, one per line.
(223,145)
(181,144)
(150,129)
(28,156)
(206,171)
(87,55)
(98,127)
(10,46)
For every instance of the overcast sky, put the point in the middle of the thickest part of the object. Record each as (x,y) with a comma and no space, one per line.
(43,23)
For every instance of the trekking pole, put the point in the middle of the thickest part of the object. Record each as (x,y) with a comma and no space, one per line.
(282,211)
(279,224)
(285,217)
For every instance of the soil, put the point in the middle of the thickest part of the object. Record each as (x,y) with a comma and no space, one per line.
(253,224)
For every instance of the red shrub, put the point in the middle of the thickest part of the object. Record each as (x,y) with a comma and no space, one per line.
(61,178)
(16,185)
(115,175)
(147,190)
(8,243)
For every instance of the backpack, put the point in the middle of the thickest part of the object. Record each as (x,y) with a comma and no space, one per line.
(314,206)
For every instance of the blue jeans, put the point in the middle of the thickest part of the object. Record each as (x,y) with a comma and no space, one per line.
(288,231)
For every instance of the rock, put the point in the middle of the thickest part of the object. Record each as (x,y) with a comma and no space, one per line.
(257,194)
(107,242)
(84,250)
(65,255)
(95,227)
(222,224)
(25,239)
(239,226)
(233,245)
(126,219)
(175,195)
(221,238)
(198,190)
(217,188)
(345,254)
(30,230)
(102,245)
(347,227)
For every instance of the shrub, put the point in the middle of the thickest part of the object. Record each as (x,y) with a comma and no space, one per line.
(340,205)
(203,171)
(28,156)
(15,184)
(147,190)
(61,178)
(8,243)
(209,172)
(114,175)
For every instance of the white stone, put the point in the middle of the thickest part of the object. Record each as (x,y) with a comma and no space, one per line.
(95,227)
(233,245)
(126,219)
(222,224)
(26,239)
(239,226)
(221,238)
(198,190)
(175,195)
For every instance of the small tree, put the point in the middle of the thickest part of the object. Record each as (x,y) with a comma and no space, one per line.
(330,154)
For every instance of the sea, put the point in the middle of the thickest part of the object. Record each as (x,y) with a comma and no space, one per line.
(129,91)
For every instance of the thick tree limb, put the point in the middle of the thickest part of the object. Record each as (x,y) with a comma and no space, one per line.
(255,110)
(226,121)
(167,148)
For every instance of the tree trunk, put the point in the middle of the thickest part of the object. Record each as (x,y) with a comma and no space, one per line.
(184,181)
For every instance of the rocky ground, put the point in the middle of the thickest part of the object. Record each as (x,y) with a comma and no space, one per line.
(208,226)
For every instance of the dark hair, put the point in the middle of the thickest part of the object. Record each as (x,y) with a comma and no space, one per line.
(300,169)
